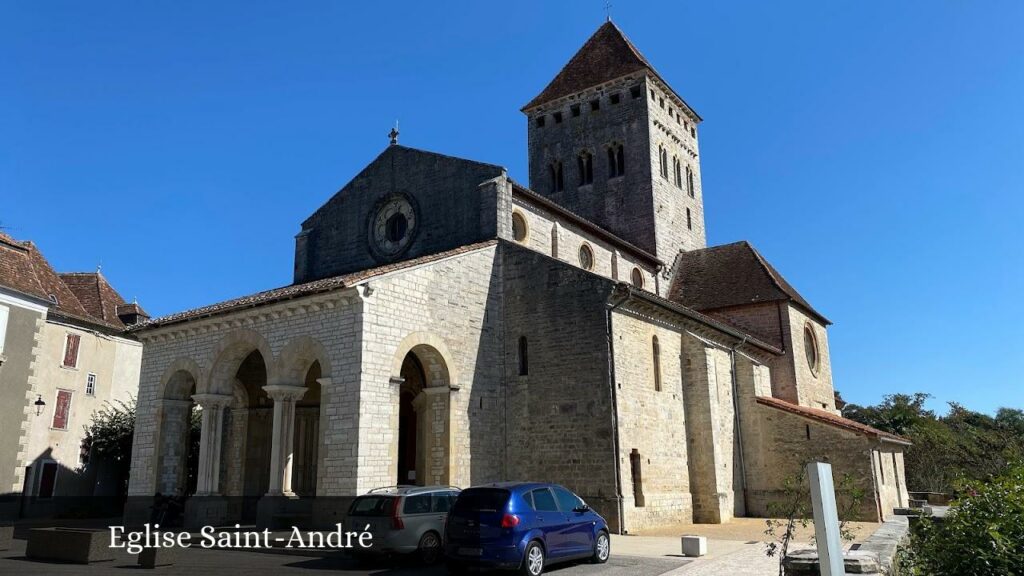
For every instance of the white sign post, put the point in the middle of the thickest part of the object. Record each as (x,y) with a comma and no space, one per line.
(826,519)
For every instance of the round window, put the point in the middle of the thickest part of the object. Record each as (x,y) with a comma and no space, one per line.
(586,257)
(519,229)
(811,348)
(638,278)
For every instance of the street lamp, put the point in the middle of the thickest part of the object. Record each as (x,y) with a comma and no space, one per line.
(39,404)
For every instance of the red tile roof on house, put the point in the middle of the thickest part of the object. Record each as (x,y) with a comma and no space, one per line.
(78,297)
(605,56)
(829,418)
(731,275)
(307,289)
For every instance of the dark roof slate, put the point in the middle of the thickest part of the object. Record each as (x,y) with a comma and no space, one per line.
(731,275)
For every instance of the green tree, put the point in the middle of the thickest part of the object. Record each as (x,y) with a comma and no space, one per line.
(108,436)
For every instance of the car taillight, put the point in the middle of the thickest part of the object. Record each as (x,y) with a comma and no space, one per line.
(396,521)
(509,521)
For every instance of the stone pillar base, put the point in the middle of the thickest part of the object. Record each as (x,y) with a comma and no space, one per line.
(206,511)
(137,511)
(329,511)
(283,511)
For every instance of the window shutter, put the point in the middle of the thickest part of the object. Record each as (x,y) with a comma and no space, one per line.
(62,410)
(71,350)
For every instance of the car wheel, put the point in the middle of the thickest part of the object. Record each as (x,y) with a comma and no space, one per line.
(602,548)
(533,560)
(429,548)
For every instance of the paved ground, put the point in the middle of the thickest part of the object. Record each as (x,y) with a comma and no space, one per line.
(747,529)
(199,562)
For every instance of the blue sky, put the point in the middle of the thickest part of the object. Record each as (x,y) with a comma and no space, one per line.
(873,151)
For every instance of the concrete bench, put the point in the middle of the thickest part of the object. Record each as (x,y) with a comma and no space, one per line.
(153,557)
(694,546)
(80,546)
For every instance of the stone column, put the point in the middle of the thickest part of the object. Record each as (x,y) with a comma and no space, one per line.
(283,445)
(212,432)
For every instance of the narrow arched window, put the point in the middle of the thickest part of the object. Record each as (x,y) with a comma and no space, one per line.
(689,182)
(663,159)
(611,163)
(620,160)
(585,164)
(656,353)
(678,172)
(524,361)
(557,182)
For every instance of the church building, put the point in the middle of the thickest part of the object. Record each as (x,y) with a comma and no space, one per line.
(449,325)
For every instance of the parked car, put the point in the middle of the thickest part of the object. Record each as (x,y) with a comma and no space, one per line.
(403,519)
(522,526)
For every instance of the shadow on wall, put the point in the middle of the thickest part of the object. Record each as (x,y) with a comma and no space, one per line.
(52,490)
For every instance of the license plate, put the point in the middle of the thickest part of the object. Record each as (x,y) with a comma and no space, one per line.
(470,551)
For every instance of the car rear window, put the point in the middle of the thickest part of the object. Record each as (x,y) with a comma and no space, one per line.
(476,500)
(372,506)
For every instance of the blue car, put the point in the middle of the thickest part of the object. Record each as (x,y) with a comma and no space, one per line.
(522,526)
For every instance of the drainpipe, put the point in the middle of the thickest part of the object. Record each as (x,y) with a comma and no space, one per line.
(736,421)
(620,509)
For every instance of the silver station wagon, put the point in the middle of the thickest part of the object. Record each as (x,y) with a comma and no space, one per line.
(403,520)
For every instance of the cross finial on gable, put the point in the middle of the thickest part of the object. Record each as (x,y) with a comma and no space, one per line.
(393,135)
(608,10)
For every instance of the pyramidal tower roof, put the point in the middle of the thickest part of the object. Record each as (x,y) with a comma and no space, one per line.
(605,56)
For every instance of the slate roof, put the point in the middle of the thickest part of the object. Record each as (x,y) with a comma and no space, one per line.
(605,56)
(81,297)
(829,418)
(299,290)
(731,275)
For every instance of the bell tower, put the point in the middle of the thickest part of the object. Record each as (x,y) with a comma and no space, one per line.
(610,140)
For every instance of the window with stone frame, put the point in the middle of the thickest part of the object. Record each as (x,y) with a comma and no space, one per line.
(616,161)
(90,384)
(519,228)
(689,182)
(677,171)
(586,257)
(557,179)
(637,278)
(663,161)
(811,348)
(689,220)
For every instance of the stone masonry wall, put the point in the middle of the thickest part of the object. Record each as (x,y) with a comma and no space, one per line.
(451,211)
(814,388)
(652,422)
(559,417)
(453,307)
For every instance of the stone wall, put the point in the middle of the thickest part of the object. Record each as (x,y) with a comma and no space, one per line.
(19,375)
(814,387)
(639,206)
(553,236)
(652,422)
(559,417)
(449,206)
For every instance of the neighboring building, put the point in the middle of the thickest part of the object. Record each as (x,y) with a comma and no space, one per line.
(63,356)
(449,325)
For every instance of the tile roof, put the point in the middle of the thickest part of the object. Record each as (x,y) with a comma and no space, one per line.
(80,297)
(605,56)
(829,418)
(307,289)
(731,275)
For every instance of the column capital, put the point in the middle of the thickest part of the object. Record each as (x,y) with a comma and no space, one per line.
(213,400)
(280,392)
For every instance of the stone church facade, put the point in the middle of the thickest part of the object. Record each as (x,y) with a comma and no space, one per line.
(448,325)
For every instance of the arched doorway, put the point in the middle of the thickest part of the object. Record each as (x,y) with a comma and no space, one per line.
(254,468)
(307,435)
(178,462)
(423,454)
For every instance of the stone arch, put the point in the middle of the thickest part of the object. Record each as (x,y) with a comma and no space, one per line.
(434,356)
(298,356)
(173,384)
(228,355)
(422,450)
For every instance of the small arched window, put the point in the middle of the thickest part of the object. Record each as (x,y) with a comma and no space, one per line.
(557,181)
(586,257)
(637,277)
(585,164)
(656,353)
(524,361)
(663,161)
(677,172)
(689,182)
(519,227)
